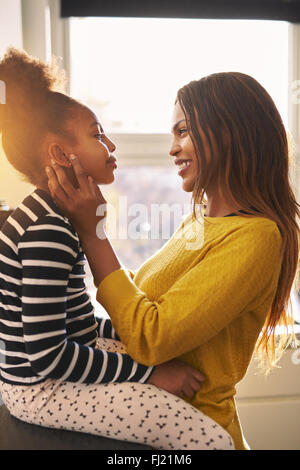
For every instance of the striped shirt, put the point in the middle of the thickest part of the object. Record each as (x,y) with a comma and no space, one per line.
(47,324)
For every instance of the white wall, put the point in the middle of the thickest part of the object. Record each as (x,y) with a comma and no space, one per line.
(10,24)
(36,28)
(11,187)
(269,406)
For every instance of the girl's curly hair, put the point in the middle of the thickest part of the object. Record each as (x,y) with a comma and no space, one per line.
(35,103)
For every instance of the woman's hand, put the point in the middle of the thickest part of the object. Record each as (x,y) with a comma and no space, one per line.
(85,206)
(178,378)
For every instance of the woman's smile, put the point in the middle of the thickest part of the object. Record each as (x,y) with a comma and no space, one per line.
(183,165)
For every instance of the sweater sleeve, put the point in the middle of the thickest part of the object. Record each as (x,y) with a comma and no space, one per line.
(48,251)
(105,329)
(203,301)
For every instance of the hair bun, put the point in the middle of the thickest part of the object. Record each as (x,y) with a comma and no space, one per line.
(25,82)
(27,78)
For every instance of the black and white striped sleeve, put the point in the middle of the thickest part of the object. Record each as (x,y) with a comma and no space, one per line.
(105,329)
(48,250)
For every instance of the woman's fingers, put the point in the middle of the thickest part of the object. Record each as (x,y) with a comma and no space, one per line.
(93,186)
(195,375)
(199,376)
(188,391)
(79,173)
(191,388)
(193,383)
(55,188)
(196,385)
(97,194)
(62,179)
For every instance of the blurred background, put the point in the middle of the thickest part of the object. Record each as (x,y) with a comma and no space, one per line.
(127,65)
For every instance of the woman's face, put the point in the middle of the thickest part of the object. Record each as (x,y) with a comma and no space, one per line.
(93,148)
(182,148)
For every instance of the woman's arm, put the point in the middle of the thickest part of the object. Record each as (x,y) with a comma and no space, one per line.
(233,275)
(232,278)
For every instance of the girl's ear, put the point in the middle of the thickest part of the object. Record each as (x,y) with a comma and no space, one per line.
(56,153)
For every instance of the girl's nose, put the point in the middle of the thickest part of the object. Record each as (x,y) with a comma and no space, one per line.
(110,145)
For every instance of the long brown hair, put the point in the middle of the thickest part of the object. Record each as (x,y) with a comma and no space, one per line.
(239,118)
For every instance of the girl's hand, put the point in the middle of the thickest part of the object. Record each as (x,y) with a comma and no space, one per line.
(79,205)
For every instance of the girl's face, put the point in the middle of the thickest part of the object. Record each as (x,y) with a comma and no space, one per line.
(93,148)
(182,148)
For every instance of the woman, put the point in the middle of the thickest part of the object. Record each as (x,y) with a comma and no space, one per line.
(61,366)
(207,302)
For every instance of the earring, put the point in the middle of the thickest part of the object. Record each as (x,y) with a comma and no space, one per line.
(69,163)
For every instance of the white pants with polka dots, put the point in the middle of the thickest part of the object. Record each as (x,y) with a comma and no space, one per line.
(125,411)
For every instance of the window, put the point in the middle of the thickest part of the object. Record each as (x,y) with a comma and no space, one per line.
(129,69)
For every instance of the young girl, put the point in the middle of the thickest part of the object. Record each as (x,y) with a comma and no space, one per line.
(207,302)
(62,367)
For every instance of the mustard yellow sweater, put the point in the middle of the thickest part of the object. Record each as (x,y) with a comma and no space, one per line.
(202,298)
